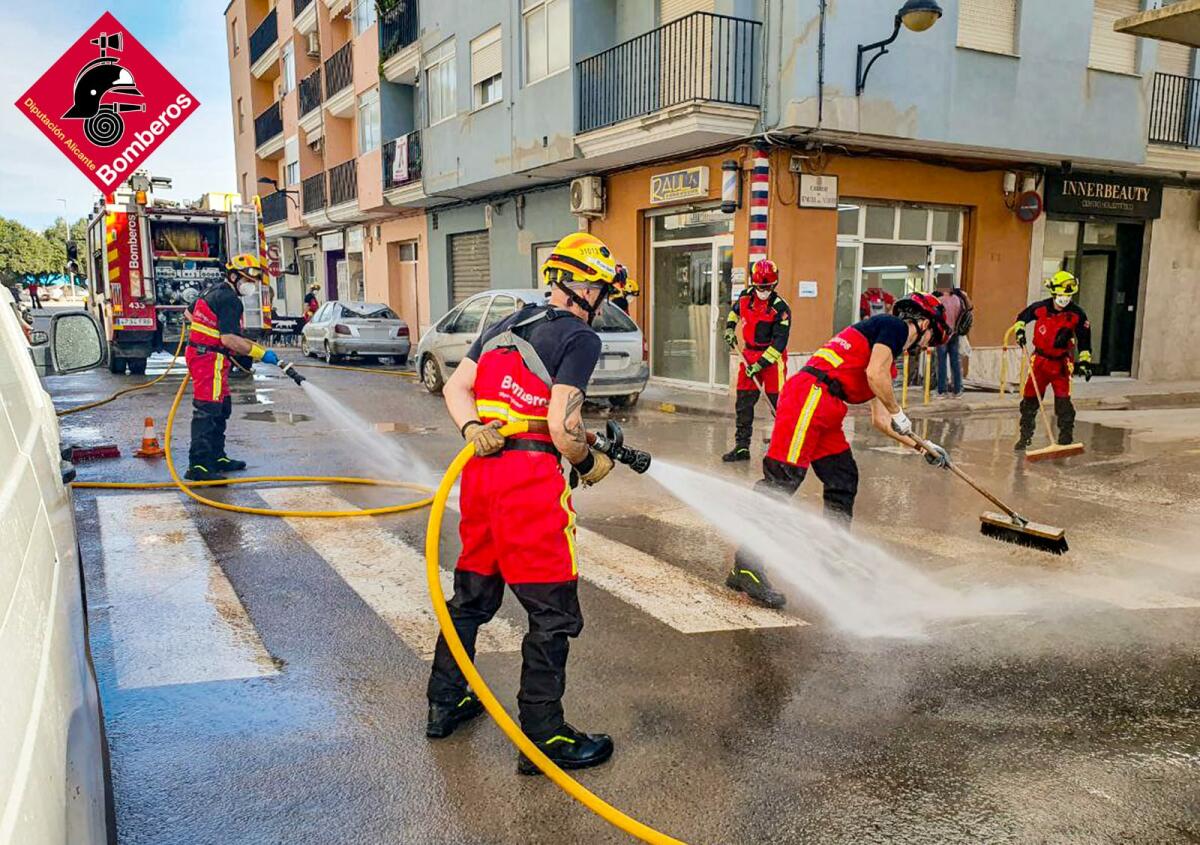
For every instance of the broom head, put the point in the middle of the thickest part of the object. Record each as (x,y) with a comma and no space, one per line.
(1000,526)
(1054,451)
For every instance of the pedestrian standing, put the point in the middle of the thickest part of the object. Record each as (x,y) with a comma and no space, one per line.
(35,299)
(959,317)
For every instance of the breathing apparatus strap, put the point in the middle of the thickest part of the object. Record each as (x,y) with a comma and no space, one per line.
(510,339)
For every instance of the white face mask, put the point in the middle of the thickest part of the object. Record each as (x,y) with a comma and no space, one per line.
(246,288)
(763,293)
(1062,301)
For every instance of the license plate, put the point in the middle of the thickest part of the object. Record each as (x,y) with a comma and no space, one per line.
(614,361)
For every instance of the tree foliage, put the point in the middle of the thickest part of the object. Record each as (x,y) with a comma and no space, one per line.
(28,256)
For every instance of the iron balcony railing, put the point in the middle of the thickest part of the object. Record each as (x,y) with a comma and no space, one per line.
(698,57)
(1175,110)
(339,70)
(264,36)
(274,208)
(409,169)
(343,182)
(310,92)
(299,6)
(312,193)
(398,28)
(268,124)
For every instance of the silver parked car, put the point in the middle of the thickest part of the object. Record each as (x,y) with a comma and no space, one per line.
(620,376)
(365,329)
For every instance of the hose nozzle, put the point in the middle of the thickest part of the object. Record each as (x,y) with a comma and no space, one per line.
(289,370)
(612,443)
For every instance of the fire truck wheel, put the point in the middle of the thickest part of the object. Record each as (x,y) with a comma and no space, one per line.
(137,366)
(116,365)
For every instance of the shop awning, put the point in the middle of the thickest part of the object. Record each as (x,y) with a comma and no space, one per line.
(1179,22)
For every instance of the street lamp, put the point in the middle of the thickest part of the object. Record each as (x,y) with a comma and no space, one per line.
(291,195)
(916,15)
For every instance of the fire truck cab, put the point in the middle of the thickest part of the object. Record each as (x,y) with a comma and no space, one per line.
(149,258)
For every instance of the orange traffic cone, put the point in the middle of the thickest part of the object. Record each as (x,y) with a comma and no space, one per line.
(150,447)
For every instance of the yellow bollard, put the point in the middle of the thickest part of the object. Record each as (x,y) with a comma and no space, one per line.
(904,383)
(928,367)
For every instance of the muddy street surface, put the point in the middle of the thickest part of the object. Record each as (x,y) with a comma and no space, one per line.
(263,679)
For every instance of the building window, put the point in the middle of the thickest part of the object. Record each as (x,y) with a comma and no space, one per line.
(241,111)
(368,121)
(233,36)
(408,251)
(1110,50)
(988,25)
(363,15)
(440,82)
(288,59)
(541,252)
(308,270)
(486,66)
(547,33)
(291,157)
(244,194)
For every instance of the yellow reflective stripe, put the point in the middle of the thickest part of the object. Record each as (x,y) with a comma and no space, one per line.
(205,330)
(785,322)
(771,355)
(806,413)
(217,368)
(827,354)
(502,411)
(782,366)
(732,318)
(114,273)
(569,531)
(113,255)
(559,738)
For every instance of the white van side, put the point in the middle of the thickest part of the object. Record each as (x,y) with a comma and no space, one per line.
(52,747)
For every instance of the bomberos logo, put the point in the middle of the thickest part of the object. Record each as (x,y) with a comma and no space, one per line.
(107,103)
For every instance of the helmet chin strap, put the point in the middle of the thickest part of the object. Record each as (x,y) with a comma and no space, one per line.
(591,308)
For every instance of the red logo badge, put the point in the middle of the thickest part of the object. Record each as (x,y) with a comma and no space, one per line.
(107,103)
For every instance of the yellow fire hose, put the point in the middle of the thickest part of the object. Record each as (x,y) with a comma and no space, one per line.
(561,779)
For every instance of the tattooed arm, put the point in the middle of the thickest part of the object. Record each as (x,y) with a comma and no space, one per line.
(566,422)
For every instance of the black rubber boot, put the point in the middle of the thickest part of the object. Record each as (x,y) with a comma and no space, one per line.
(1029,409)
(1064,411)
(445,718)
(228,464)
(570,749)
(197,472)
(737,453)
(753,582)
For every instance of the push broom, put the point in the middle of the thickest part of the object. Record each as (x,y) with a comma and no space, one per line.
(1055,450)
(1010,526)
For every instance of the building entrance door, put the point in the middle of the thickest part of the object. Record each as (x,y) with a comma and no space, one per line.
(692,283)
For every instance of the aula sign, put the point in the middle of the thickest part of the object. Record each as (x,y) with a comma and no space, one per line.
(107,103)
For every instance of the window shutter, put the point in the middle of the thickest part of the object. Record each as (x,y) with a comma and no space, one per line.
(1111,50)
(486,58)
(470,265)
(989,25)
(1174,58)
(669,10)
(291,149)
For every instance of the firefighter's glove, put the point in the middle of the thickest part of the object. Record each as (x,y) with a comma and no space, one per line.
(731,337)
(936,456)
(487,439)
(1084,365)
(901,424)
(269,357)
(1020,333)
(754,369)
(594,467)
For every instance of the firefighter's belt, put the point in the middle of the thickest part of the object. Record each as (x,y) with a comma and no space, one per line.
(521,444)
(835,387)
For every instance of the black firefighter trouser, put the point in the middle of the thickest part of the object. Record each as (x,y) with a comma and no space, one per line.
(744,414)
(208,432)
(554,617)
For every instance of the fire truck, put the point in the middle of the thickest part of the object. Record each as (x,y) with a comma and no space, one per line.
(149,258)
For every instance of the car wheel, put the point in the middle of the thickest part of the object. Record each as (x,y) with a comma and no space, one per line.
(116,365)
(330,358)
(137,366)
(431,375)
(304,350)
(626,401)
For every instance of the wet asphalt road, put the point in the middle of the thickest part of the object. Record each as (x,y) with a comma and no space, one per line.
(273,692)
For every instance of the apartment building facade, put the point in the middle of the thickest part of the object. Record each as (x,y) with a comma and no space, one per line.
(1006,140)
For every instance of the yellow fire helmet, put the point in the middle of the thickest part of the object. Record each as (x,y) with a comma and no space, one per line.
(247,264)
(579,258)
(631,287)
(1063,283)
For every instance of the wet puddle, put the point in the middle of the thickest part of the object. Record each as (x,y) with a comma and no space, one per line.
(258,397)
(277,416)
(404,428)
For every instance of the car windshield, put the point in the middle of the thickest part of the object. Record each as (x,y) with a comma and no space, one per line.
(368,311)
(613,319)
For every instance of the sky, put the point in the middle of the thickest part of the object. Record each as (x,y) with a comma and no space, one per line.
(186,36)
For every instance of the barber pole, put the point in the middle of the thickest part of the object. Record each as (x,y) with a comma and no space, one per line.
(760,184)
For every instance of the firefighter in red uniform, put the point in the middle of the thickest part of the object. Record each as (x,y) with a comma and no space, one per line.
(216,318)
(518,523)
(857,365)
(1061,326)
(766,323)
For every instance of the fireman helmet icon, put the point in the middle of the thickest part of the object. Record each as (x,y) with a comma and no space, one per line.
(99,78)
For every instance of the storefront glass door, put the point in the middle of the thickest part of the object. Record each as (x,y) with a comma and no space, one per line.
(691,288)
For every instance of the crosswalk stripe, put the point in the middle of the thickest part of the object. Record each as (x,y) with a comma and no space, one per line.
(175,617)
(386,572)
(671,595)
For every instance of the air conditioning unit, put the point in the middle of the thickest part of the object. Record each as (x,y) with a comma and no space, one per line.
(314,44)
(318,145)
(587,196)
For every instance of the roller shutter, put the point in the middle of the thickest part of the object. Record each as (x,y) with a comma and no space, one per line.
(1174,58)
(1112,50)
(989,25)
(669,10)
(470,265)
